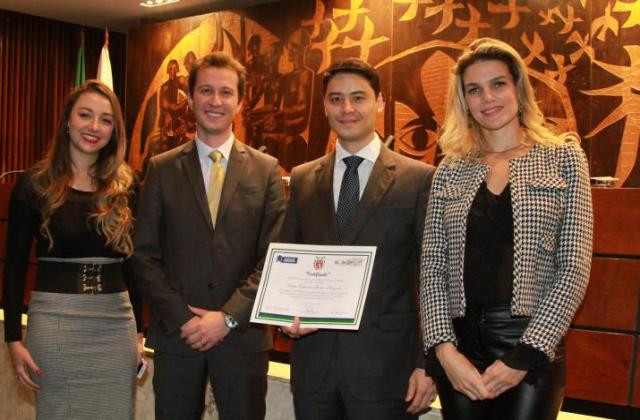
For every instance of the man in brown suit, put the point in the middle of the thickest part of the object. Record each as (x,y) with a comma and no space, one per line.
(362,194)
(207,213)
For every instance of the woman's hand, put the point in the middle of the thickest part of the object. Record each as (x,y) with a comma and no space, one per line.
(464,377)
(499,377)
(22,361)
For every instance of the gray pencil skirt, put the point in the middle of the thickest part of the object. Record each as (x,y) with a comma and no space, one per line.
(85,346)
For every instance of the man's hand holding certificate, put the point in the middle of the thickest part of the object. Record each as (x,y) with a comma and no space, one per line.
(324,286)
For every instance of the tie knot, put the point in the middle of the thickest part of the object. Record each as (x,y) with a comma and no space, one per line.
(216,156)
(353,161)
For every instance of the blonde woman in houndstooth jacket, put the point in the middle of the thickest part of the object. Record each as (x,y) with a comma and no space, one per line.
(507,245)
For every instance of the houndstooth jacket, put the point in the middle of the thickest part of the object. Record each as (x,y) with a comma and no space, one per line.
(553,223)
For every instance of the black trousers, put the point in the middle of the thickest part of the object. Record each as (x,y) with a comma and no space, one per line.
(334,401)
(238,380)
(485,336)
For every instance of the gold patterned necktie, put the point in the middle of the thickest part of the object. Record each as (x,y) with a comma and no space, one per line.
(216,179)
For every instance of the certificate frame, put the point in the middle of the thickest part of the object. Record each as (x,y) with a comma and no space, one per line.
(315,262)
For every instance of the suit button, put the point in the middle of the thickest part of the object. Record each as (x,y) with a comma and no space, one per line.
(211,286)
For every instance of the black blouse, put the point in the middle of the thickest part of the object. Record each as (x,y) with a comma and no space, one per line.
(488,259)
(488,268)
(75,236)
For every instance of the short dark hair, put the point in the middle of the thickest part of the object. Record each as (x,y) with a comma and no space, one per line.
(220,60)
(354,66)
(173,61)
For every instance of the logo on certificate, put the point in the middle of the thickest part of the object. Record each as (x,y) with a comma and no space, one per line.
(354,262)
(318,263)
(287,260)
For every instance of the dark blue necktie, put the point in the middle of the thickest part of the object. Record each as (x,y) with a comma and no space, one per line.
(349,195)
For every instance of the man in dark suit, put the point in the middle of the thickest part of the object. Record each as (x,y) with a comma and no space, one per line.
(207,213)
(362,194)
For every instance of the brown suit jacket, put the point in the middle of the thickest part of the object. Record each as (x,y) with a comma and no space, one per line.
(377,360)
(181,259)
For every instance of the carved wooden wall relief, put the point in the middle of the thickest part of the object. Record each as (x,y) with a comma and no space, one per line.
(583,57)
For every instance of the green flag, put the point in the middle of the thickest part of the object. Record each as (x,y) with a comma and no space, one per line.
(80,72)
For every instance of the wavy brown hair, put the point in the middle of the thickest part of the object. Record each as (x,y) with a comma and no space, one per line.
(461,134)
(111,175)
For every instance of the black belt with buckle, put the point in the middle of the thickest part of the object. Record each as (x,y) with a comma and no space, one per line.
(79,278)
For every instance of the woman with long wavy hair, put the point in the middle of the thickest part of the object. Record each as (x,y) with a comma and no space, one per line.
(507,245)
(81,350)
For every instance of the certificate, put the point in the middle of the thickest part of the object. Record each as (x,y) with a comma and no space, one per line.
(325,286)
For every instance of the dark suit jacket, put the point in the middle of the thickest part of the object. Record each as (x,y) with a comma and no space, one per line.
(181,259)
(378,359)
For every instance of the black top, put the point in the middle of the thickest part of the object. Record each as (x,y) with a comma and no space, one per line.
(75,236)
(488,258)
(488,266)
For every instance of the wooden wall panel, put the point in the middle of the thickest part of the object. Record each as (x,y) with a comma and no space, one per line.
(5,192)
(612,297)
(598,366)
(635,397)
(616,214)
(582,57)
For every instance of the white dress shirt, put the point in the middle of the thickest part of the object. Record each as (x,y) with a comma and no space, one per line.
(370,154)
(205,161)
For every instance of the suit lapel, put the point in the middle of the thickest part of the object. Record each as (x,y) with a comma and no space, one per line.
(191,167)
(235,172)
(381,178)
(326,206)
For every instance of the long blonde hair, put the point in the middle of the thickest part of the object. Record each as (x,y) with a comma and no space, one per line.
(461,134)
(111,175)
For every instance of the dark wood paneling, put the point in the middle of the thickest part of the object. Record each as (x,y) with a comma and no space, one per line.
(5,192)
(612,297)
(616,214)
(636,378)
(413,44)
(598,366)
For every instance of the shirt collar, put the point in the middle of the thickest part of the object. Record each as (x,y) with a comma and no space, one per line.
(370,152)
(204,149)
